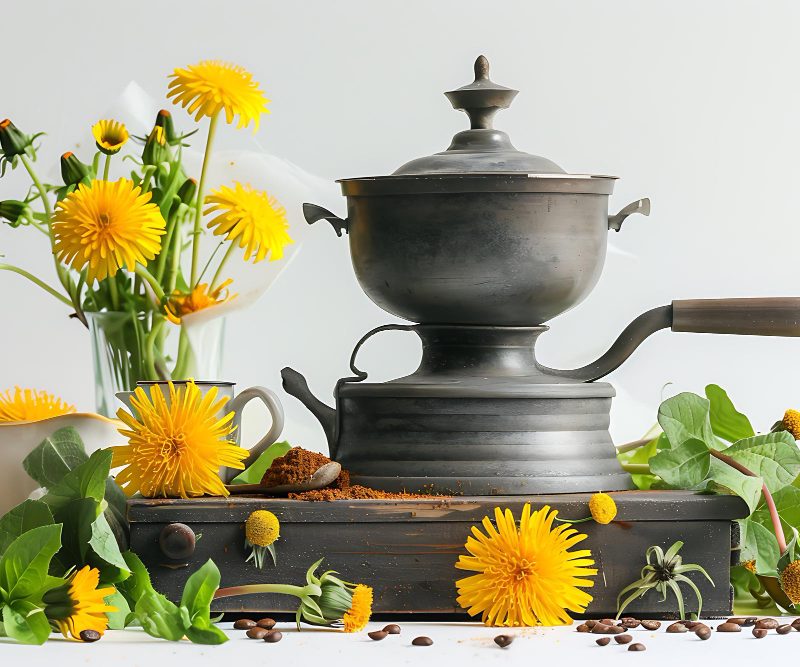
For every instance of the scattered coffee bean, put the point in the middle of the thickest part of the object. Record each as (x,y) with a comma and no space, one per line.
(600,629)
(244,624)
(749,622)
(637,647)
(257,633)
(503,640)
(591,623)
(617,629)
(89,636)
(784,629)
(796,624)
(691,625)
(759,633)
(266,623)
(703,631)
(736,619)
(630,622)
(729,627)
(583,628)
(608,621)
(422,641)
(602,641)
(392,629)
(623,639)
(273,636)
(378,635)
(677,627)
(650,625)
(767,623)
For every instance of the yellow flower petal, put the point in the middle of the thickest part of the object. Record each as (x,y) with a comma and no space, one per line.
(110,136)
(86,603)
(31,405)
(200,298)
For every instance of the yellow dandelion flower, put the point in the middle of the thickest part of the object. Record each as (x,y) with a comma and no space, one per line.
(527,575)
(176,448)
(602,507)
(253,217)
(200,298)
(212,86)
(355,619)
(790,581)
(750,565)
(791,422)
(105,226)
(30,405)
(261,530)
(110,136)
(79,605)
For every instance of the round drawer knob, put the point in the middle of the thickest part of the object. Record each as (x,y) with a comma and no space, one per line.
(177,541)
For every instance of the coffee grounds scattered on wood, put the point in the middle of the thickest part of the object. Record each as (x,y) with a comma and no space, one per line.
(294,467)
(356,492)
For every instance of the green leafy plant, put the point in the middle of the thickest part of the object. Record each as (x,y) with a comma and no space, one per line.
(663,573)
(255,471)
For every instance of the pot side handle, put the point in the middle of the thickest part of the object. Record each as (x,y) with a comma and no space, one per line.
(639,206)
(774,316)
(314,213)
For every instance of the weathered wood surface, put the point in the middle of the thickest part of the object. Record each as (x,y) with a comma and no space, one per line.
(407,549)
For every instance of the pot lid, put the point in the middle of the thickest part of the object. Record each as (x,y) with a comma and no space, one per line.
(481,149)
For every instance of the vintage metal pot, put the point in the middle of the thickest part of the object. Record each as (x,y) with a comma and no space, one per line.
(480,233)
(481,244)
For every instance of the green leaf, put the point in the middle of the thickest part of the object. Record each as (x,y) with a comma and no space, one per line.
(55,456)
(104,544)
(22,518)
(787,502)
(643,454)
(255,472)
(685,466)
(774,457)
(199,592)
(117,512)
(686,417)
(24,565)
(88,480)
(207,635)
(25,623)
(790,554)
(77,517)
(117,619)
(160,617)
(724,479)
(759,544)
(726,421)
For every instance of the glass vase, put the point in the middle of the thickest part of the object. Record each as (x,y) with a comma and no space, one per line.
(128,347)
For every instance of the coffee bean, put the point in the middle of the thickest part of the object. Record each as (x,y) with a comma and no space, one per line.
(767,623)
(591,623)
(703,631)
(503,640)
(637,647)
(616,629)
(749,622)
(738,620)
(583,628)
(392,629)
(630,622)
(244,624)
(729,627)
(273,636)
(266,623)
(378,635)
(257,633)
(623,639)
(602,641)
(600,629)
(796,624)
(759,633)
(608,621)
(677,627)
(89,636)
(691,625)
(422,641)
(650,625)
(784,629)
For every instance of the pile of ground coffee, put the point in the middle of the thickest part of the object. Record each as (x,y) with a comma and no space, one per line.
(294,467)
(354,492)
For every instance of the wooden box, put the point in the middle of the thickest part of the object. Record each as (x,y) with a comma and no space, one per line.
(406,549)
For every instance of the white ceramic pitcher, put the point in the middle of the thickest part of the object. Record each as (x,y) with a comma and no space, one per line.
(235,404)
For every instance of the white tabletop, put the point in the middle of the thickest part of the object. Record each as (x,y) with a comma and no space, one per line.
(456,644)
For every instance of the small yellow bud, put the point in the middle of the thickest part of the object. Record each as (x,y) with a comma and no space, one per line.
(603,508)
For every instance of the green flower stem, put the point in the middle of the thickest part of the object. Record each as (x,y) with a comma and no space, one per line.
(40,283)
(166,245)
(630,446)
(636,468)
(222,263)
(106,167)
(175,256)
(773,511)
(198,209)
(112,287)
(179,370)
(150,279)
(283,589)
(149,347)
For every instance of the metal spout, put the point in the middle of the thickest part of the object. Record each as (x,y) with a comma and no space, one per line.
(296,385)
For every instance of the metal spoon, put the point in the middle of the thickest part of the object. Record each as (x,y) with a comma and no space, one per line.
(322,477)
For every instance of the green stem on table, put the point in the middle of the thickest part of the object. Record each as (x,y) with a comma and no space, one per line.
(106,167)
(37,281)
(628,446)
(222,263)
(282,589)
(198,208)
(636,468)
(150,279)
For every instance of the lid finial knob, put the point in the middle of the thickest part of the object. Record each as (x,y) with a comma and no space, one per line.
(482,98)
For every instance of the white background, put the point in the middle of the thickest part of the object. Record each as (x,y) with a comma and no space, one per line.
(694,104)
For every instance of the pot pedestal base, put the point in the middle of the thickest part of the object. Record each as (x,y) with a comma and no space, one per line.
(406,549)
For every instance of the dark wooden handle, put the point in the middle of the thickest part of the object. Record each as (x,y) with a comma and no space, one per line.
(778,316)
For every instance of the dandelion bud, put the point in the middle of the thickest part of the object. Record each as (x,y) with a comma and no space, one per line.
(164,121)
(73,171)
(15,212)
(155,147)
(12,141)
